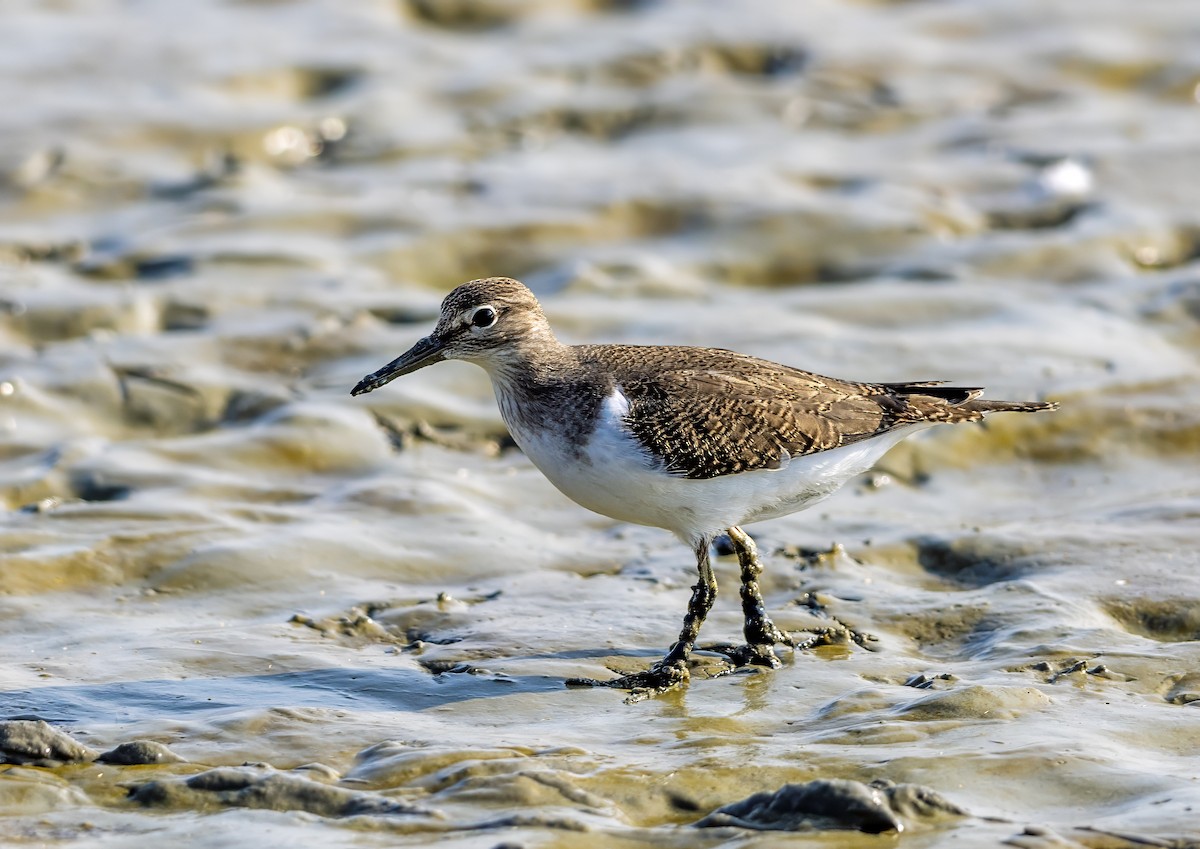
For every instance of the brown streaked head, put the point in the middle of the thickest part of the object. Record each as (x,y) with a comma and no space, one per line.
(484,321)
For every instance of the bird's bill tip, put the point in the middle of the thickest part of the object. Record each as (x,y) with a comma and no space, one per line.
(365,385)
(426,352)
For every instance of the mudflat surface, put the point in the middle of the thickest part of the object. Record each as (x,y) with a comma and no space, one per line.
(251,609)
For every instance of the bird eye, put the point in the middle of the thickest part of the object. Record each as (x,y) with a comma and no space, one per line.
(483,317)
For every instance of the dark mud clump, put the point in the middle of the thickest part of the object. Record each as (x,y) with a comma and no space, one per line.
(35,743)
(263,788)
(1165,620)
(834,804)
(976,561)
(140,752)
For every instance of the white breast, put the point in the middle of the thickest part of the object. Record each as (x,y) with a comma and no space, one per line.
(612,475)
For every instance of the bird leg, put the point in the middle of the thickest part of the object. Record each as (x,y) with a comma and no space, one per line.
(761,633)
(672,670)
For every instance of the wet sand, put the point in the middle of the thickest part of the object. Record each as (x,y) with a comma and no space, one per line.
(347,621)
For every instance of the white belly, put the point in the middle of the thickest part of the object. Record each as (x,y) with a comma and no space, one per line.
(612,475)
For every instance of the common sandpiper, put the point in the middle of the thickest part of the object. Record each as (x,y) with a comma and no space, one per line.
(699,441)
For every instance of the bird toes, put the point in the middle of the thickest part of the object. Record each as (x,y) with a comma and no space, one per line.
(659,678)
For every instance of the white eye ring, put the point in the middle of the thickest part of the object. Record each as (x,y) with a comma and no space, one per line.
(484,317)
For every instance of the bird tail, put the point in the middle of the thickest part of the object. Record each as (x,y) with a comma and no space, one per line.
(931,401)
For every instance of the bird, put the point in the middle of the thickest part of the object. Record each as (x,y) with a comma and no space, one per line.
(697,441)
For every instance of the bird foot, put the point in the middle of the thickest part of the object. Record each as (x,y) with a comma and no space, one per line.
(762,635)
(760,649)
(655,681)
(748,654)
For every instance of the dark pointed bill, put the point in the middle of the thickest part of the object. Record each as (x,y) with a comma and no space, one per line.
(427,351)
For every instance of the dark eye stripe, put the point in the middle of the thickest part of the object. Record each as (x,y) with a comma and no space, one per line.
(483,317)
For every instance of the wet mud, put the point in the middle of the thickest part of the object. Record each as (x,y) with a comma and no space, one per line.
(238,605)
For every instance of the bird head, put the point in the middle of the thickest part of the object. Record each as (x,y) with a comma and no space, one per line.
(486,321)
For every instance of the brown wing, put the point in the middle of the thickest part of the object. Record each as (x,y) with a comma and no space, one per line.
(708,412)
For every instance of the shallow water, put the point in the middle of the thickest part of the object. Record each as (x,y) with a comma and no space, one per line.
(215,218)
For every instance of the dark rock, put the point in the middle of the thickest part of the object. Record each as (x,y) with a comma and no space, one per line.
(815,806)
